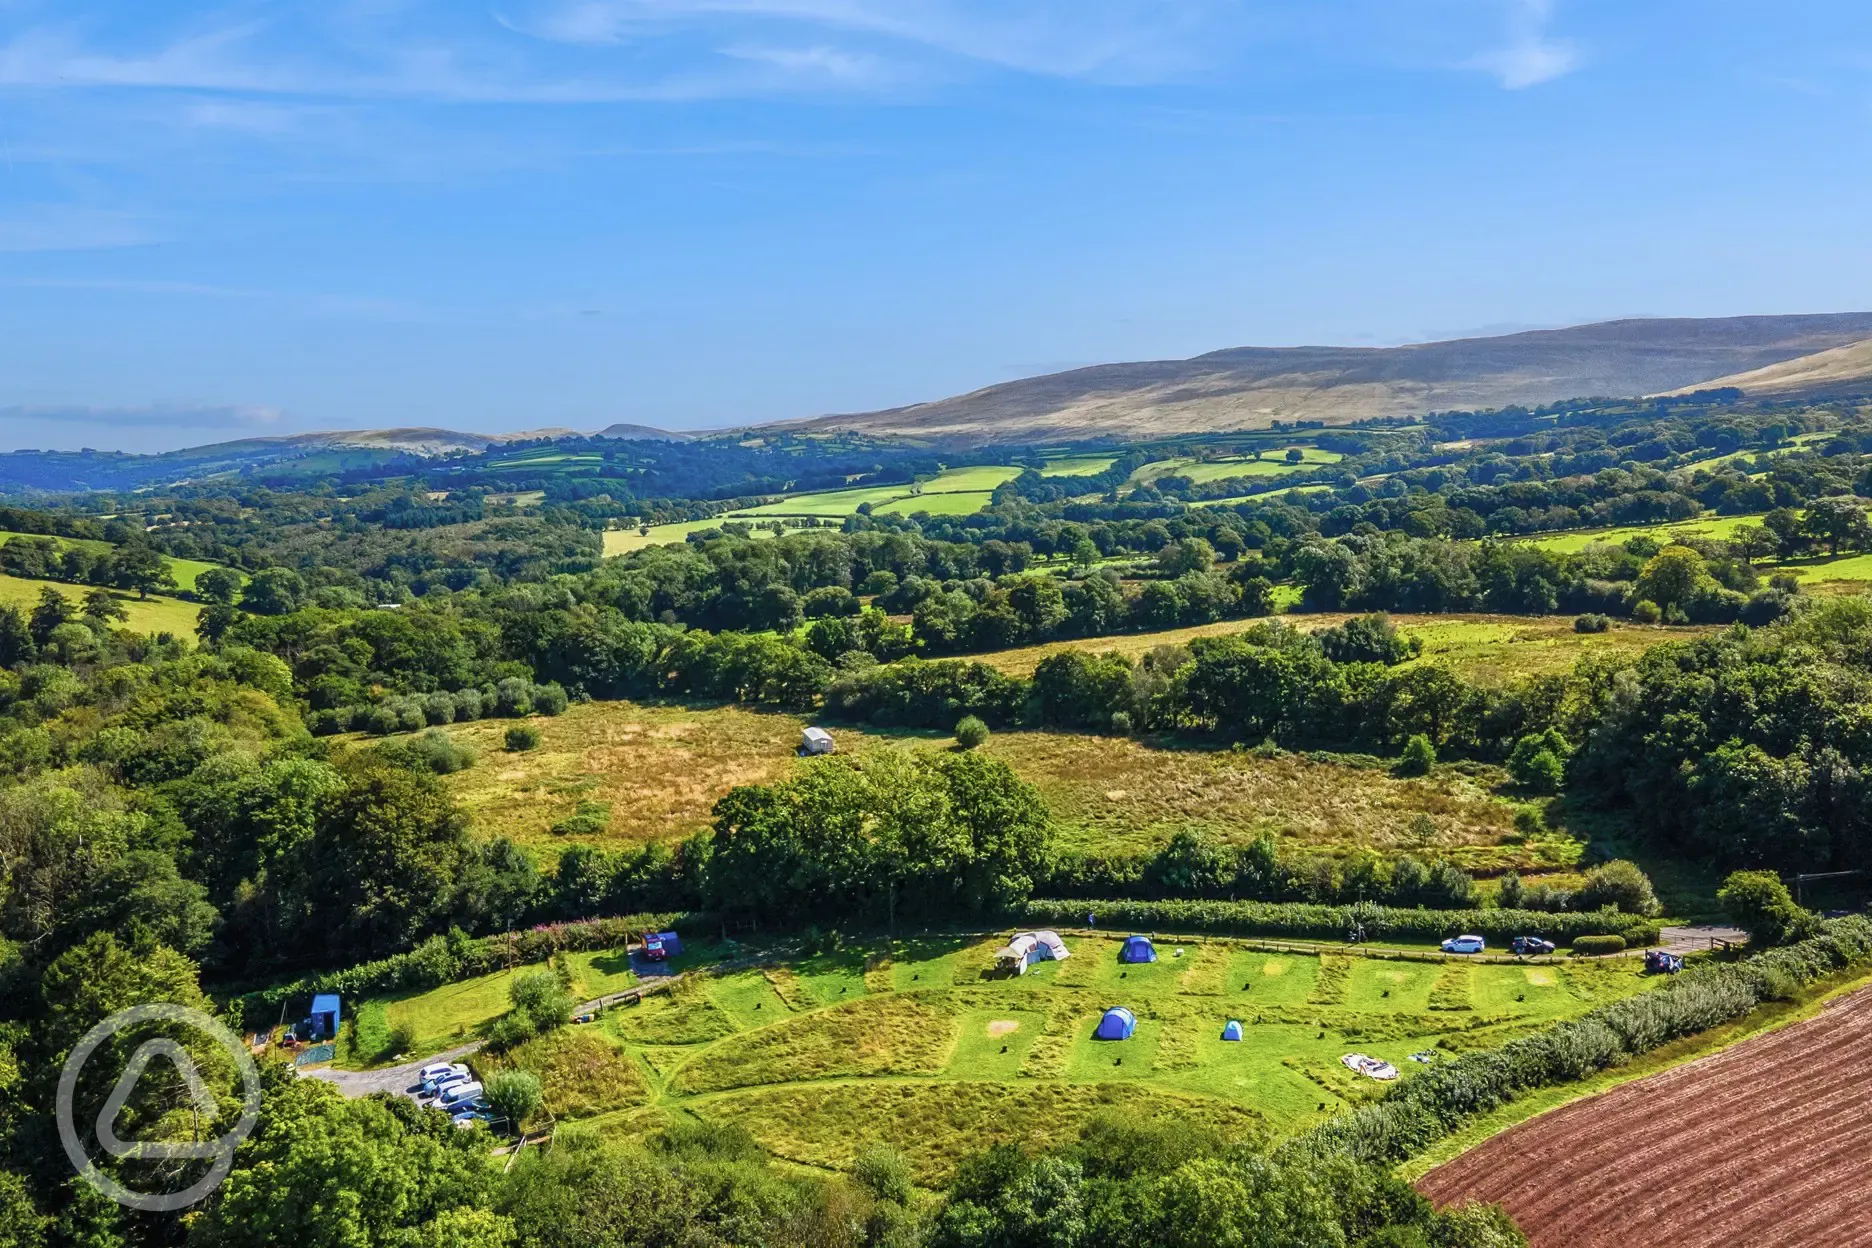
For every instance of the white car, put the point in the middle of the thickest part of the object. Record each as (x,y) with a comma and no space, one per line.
(459,1095)
(1370,1067)
(1464,944)
(440,1075)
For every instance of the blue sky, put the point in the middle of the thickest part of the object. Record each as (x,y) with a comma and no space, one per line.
(235,219)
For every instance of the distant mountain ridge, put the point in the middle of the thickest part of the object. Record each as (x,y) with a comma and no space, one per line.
(328,451)
(1251,387)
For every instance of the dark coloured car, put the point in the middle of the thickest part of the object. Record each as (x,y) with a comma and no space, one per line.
(1528,946)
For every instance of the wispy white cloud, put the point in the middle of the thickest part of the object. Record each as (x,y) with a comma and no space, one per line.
(1530,55)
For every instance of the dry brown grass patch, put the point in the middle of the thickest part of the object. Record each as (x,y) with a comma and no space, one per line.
(891,1035)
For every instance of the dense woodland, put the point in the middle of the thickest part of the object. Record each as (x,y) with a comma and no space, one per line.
(196,818)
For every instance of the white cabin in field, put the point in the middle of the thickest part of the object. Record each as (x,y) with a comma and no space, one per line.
(815,741)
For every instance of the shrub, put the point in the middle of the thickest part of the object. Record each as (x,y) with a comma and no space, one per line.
(1418,758)
(1646,612)
(1592,623)
(513,697)
(522,737)
(401,1039)
(434,751)
(1538,761)
(1621,885)
(1121,723)
(882,1171)
(439,708)
(515,1095)
(970,732)
(549,699)
(542,998)
(1596,946)
(467,703)
(1759,903)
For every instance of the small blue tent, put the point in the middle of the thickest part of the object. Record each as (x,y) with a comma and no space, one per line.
(1232,1031)
(1138,949)
(1118,1024)
(325,1014)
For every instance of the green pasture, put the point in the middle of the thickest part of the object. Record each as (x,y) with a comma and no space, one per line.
(453,1014)
(920,1045)
(154,614)
(1078,465)
(1818,569)
(1272,464)
(954,492)
(184,570)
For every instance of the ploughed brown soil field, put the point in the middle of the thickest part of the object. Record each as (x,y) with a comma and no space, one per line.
(1765,1145)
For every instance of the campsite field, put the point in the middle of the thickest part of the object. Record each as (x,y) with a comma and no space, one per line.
(661,768)
(1763,1143)
(920,1046)
(154,614)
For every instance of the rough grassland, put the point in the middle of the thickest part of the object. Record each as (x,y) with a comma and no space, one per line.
(1077,465)
(1489,649)
(446,1016)
(892,1035)
(581,1071)
(662,769)
(151,615)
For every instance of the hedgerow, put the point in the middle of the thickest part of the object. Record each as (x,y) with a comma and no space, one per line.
(457,956)
(1304,920)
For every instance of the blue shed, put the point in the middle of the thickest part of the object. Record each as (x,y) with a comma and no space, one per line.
(1138,949)
(1118,1024)
(325,1014)
(1232,1031)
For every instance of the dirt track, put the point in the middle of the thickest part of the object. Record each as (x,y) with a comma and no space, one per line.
(1767,1144)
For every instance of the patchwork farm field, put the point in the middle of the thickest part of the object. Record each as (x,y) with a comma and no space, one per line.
(918,1045)
(659,769)
(955,492)
(1846,572)
(1762,1144)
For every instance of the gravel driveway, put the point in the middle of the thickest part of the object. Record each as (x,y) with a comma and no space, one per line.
(399,1079)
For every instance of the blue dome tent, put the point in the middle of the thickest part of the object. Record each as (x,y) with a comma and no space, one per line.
(1118,1024)
(1232,1031)
(1138,949)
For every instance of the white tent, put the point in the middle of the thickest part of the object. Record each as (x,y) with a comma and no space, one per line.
(1051,946)
(1015,955)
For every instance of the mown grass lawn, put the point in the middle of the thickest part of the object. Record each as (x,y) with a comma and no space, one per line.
(932,1055)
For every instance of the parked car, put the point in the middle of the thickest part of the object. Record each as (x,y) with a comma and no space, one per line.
(460,1095)
(1658,962)
(1530,946)
(1464,944)
(435,1078)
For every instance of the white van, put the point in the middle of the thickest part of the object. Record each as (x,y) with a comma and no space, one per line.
(460,1094)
